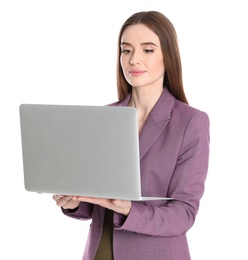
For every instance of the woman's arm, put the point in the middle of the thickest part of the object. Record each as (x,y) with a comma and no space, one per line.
(175,217)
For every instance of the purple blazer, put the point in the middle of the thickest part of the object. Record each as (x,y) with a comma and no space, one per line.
(174,155)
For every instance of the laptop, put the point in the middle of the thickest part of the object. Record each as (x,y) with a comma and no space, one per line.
(81,150)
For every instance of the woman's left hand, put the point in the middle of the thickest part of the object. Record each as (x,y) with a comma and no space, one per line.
(120,206)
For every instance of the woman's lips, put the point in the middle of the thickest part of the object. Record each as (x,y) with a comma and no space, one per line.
(136,73)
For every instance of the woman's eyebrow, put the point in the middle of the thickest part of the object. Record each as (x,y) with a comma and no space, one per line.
(148,43)
(125,43)
(143,43)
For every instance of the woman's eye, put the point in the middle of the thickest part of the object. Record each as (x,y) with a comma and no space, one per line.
(125,51)
(148,51)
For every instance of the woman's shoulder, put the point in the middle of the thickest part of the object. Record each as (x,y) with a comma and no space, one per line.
(123,102)
(185,113)
(185,109)
(116,103)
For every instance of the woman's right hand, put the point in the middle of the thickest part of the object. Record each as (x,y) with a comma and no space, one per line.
(65,201)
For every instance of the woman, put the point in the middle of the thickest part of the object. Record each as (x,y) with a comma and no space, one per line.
(174,152)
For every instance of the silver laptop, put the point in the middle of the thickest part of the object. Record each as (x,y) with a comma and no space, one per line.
(81,150)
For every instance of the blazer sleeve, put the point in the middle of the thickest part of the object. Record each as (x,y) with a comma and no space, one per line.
(83,212)
(174,218)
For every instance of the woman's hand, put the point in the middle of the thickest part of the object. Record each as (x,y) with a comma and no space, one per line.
(120,206)
(65,201)
(71,202)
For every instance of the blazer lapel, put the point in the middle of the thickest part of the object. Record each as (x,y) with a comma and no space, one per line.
(156,122)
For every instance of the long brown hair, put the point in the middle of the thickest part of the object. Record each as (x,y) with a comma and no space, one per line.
(165,30)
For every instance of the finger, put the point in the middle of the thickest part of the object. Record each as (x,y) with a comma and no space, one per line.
(116,202)
(99,201)
(63,201)
(56,196)
(86,199)
(59,196)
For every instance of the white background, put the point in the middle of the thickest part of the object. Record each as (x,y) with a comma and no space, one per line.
(65,52)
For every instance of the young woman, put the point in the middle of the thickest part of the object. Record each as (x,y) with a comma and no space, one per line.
(174,152)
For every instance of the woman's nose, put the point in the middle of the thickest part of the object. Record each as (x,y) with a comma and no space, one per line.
(134,58)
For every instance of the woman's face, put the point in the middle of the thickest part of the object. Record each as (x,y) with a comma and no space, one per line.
(141,57)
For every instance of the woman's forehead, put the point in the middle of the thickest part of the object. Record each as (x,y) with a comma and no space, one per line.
(138,32)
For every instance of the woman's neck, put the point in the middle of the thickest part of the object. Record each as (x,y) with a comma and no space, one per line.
(144,99)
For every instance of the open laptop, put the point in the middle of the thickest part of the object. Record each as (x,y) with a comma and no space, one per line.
(81,150)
